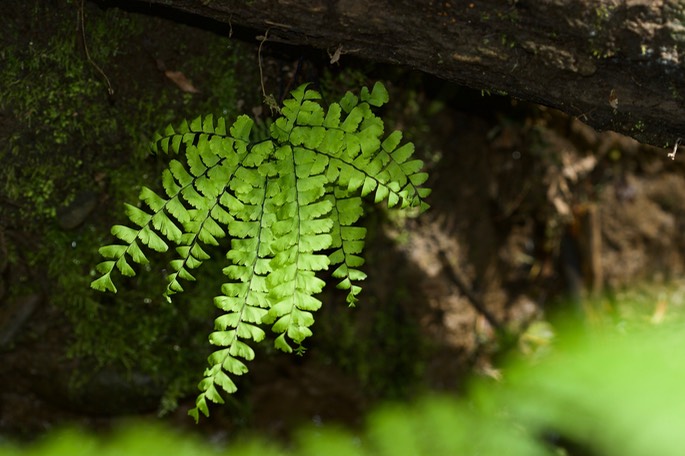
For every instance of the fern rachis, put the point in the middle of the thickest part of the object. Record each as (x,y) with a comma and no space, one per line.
(290,204)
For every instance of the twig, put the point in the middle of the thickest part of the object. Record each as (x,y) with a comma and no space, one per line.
(470,295)
(268,99)
(82,14)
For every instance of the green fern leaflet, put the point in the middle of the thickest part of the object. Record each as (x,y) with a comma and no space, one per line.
(290,204)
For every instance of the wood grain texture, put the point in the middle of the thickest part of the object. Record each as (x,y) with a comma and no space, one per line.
(615,64)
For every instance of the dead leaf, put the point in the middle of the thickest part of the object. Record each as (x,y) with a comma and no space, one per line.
(613,99)
(579,168)
(181,81)
(335,56)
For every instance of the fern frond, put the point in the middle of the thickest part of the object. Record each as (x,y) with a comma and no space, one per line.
(245,298)
(347,242)
(364,162)
(301,210)
(116,254)
(202,228)
(172,139)
(292,282)
(290,203)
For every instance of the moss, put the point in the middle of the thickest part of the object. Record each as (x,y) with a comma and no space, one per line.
(675,92)
(68,136)
(65,135)
(352,343)
(603,13)
(63,116)
(639,126)
(53,98)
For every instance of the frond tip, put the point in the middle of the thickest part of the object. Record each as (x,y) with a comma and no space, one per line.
(291,206)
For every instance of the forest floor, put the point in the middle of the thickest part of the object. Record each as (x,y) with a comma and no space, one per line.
(535,218)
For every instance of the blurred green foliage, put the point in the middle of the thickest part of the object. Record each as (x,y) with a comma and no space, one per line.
(605,393)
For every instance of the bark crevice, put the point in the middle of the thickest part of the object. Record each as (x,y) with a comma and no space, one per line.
(615,64)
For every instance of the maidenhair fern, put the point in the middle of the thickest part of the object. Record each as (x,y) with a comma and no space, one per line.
(290,204)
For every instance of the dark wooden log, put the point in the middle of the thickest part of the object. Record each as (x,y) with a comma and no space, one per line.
(615,64)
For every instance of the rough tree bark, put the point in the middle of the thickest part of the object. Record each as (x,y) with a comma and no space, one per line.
(616,64)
